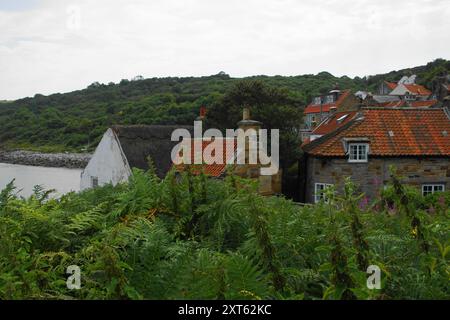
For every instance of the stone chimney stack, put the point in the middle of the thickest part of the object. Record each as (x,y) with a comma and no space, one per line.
(250,148)
(246,123)
(246,114)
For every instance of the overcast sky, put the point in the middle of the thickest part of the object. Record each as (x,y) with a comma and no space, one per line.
(49,46)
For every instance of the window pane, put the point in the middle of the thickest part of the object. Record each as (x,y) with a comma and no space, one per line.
(432,188)
(362,152)
(353,152)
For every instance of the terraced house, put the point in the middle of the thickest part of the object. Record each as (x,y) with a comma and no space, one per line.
(321,107)
(364,144)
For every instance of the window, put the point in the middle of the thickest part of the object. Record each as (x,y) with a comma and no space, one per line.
(94,182)
(358,152)
(317,100)
(329,99)
(319,191)
(432,188)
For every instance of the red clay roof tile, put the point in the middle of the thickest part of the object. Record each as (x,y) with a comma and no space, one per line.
(391,85)
(391,132)
(414,104)
(316,108)
(417,89)
(423,104)
(214,169)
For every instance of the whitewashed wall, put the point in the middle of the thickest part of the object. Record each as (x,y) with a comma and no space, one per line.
(108,163)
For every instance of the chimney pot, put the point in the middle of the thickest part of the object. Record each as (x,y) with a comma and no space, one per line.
(202,111)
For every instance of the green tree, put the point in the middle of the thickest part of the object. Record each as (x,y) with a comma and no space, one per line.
(270,105)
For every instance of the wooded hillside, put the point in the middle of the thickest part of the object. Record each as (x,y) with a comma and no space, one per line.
(76,120)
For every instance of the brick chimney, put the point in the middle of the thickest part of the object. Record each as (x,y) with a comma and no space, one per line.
(202,115)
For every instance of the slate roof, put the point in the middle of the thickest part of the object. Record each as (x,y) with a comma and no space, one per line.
(138,142)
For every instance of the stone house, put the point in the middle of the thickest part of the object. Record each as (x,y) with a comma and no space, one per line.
(364,144)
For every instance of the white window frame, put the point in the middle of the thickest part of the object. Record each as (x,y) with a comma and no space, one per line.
(434,187)
(329,99)
(318,196)
(358,145)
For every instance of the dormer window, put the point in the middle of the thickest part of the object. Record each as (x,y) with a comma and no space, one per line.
(409,97)
(358,152)
(317,100)
(329,99)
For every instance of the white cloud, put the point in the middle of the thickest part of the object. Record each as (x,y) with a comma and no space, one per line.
(43,51)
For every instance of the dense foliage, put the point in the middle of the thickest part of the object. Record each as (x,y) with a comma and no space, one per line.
(76,120)
(272,106)
(189,237)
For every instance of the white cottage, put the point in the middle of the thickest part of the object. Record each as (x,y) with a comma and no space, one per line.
(126,147)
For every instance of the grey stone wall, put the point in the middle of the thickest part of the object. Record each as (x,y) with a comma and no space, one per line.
(66,160)
(371,176)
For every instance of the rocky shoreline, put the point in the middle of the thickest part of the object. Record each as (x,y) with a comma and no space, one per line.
(56,160)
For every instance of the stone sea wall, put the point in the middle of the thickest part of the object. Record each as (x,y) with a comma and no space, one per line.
(58,160)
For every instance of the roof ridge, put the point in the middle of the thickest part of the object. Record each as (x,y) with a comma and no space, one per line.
(400,108)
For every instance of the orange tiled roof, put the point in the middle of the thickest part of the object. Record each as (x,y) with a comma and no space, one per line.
(414,104)
(393,104)
(306,141)
(423,104)
(391,85)
(417,89)
(214,169)
(391,132)
(315,108)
